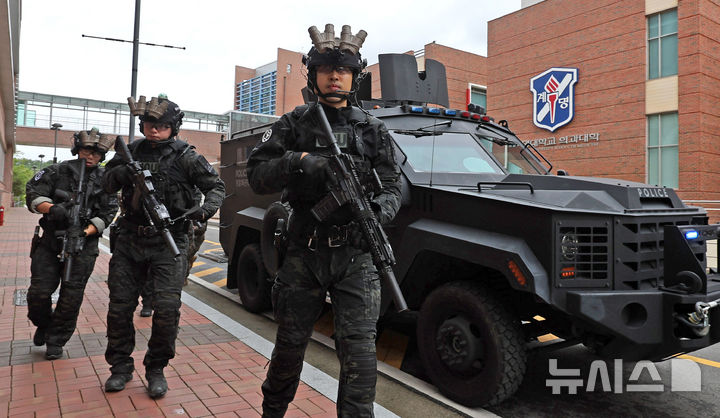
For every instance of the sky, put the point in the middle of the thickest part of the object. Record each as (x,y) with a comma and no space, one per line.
(218,35)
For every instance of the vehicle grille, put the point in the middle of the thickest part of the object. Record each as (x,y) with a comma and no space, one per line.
(591,252)
(639,248)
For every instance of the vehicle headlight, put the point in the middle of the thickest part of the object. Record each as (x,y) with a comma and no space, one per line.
(569,246)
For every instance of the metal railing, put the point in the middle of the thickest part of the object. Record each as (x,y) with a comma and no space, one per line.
(41,110)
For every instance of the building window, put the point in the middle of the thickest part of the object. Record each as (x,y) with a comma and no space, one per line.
(663,149)
(257,95)
(478,96)
(24,117)
(662,44)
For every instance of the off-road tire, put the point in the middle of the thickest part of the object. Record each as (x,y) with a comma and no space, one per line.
(253,280)
(471,345)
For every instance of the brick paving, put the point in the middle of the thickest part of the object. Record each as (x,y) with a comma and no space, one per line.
(212,374)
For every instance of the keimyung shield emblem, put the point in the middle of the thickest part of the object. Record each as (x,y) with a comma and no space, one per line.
(553,97)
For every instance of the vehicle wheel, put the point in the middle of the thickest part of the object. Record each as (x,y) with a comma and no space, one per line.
(272,252)
(253,284)
(471,346)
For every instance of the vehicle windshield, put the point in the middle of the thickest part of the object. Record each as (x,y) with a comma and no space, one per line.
(448,152)
(455,152)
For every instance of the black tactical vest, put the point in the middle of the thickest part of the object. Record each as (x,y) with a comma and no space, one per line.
(169,176)
(66,178)
(356,136)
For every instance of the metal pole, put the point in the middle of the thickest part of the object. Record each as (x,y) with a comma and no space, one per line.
(55,127)
(55,148)
(133,83)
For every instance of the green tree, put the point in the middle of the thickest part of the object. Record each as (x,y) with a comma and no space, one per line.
(21,175)
(23,170)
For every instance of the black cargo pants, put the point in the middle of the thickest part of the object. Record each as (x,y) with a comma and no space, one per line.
(135,260)
(298,297)
(46,272)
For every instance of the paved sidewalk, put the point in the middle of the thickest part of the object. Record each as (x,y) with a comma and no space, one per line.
(217,371)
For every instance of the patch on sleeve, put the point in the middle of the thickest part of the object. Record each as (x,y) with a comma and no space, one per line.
(38,175)
(267,135)
(202,162)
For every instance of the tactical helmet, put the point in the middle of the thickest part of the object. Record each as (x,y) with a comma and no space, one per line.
(158,109)
(329,50)
(92,139)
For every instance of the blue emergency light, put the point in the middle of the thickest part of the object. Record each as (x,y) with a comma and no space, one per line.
(434,110)
(416,109)
(691,234)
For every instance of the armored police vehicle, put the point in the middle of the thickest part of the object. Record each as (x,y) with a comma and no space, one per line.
(493,251)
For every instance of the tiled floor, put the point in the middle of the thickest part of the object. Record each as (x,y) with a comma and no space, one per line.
(213,373)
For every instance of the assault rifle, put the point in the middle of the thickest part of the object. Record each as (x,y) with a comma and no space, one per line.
(349,190)
(156,213)
(73,238)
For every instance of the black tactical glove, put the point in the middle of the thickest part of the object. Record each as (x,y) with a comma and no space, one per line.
(123,175)
(196,214)
(315,167)
(313,182)
(357,240)
(57,213)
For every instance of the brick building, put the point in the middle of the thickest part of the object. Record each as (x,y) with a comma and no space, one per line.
(10,16)
(275,88)
(272,89)
(647,97)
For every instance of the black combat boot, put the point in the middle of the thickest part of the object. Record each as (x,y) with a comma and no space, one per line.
(157,385)
(116,382)
(53,352)
(39,337)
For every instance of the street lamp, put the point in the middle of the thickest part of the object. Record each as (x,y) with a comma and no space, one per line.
(55,127)
(41,158)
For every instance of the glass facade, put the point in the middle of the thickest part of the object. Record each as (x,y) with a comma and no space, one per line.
(663,149)
(257,95)
(24,117)
(662,44)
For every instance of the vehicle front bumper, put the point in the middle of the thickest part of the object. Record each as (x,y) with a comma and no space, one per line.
(643,324)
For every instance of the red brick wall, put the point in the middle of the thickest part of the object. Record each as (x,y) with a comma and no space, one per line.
(6,181)
(461,69)
(6,145)
(699,98)
(374,70)
(206,143)
(699,101)
(288,94)
(43,137)
(605,40)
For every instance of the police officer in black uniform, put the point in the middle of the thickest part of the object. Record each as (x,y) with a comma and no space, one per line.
(55,327)
(328,256)
(140,252)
